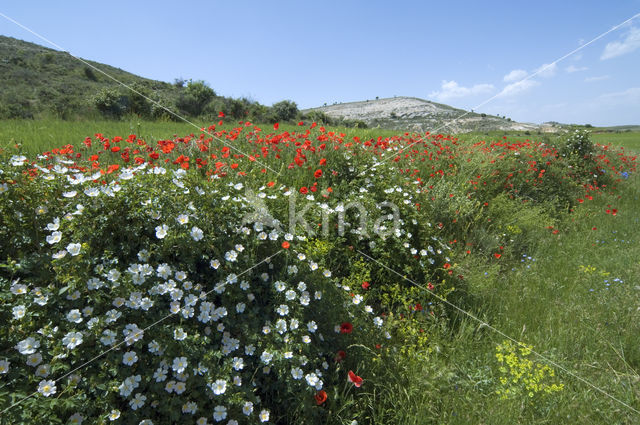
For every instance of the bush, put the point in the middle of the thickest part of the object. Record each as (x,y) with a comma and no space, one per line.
(239,326)
(579,145)
(138,100)
(319,117)
(110,102)
(88,72)
(579,151)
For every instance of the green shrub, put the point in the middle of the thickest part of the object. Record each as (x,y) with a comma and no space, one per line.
(88,72)
(110,102)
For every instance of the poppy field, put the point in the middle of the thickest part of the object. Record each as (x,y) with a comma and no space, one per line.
(272,273)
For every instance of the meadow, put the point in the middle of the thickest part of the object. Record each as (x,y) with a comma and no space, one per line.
(155,273)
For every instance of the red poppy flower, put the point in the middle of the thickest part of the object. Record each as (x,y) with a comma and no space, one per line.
(321,397)
(286,245)
(304,190)
(221,115)
(112,168)
(340,356)
(346,328)
(357,381)
(317,174)
(365,285)
(497,255)
(276,126)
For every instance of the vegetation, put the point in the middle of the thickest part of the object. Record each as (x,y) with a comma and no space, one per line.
(41,83)
(500,227)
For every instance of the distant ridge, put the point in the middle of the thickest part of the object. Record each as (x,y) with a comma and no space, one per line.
(414,114)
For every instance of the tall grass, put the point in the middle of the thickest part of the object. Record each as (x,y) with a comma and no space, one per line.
(557,300)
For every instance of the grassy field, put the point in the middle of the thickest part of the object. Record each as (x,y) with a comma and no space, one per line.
(629,140)
(36,136)
(572,294)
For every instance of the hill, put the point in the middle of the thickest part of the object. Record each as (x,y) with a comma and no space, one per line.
(410,113)
(36,80)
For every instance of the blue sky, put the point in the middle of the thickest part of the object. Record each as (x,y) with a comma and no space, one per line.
(461,53)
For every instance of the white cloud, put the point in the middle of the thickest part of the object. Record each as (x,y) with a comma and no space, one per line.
(518,87)
(547,70)
(452,90)
(571,69)
(618,48)
(515,75)
(594,79)
(629,97)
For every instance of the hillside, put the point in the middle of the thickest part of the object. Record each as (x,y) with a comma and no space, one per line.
(36,80)
(410,113)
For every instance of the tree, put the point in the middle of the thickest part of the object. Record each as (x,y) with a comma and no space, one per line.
(237,108)
(285,110)
(195,97)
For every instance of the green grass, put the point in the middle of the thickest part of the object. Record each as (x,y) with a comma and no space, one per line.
(37,136)
(629,140)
